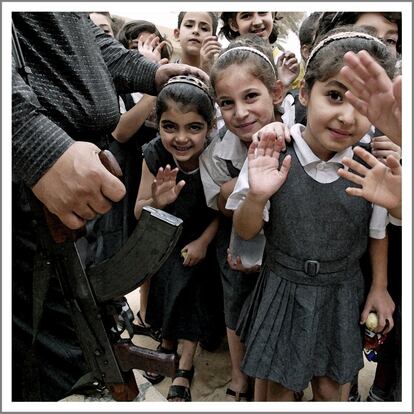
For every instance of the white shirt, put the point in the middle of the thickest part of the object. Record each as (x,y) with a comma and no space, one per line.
(136,96)
(213,167)
(321,171)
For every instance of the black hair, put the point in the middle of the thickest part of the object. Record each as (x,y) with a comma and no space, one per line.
(230,34)
(331,20)
(214,20)
(132,29)
(308,28)
(189,98)
(264,71)
(328,60)
(117,23)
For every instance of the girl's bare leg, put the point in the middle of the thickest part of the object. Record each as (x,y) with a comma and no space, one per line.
(325,389)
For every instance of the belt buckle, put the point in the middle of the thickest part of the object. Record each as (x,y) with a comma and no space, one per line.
(311,267)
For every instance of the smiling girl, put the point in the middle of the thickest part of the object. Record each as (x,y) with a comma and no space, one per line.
(171,181)
(303,322)
(246,89)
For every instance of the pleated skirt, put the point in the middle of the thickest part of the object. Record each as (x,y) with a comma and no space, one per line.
(294,332)
(237,286)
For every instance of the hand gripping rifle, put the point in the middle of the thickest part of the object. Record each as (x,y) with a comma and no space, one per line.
(90,291)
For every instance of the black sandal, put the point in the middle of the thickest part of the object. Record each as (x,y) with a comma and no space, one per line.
(142,329)
(181,391)
(238,396)
(153,377)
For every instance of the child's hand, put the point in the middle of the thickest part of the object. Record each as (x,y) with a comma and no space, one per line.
(150,47)
(380,185)
(265,177)
(194,252)
(379,301)
(210,48)
(382,147)
(164,189)
(279,130)
(287,68)
(237,264)
(373,93)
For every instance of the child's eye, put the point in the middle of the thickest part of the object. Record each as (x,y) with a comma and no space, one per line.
(335,96)
(225,103)
(244,16)
(205,28)
(168,127)
(195,128)
(251,96)
(390,42)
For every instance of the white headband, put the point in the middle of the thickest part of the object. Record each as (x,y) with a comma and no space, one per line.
(338,36)
(252,50)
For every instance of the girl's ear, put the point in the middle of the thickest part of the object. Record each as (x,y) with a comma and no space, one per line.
(278,93)
(303,94)
(233,25)
(177,34)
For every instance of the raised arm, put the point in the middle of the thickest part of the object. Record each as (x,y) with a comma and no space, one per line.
(157,191)
(265,178)
(373,93)
(380,184)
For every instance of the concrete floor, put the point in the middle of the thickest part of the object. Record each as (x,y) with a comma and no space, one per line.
(212,369)
(212,374)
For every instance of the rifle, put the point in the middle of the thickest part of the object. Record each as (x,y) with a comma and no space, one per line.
(90,292)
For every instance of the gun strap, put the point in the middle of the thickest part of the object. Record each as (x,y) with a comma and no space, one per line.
(22,68)
(43,267)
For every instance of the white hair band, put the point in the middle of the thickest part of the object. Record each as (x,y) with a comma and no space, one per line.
(339,36)
(252,50)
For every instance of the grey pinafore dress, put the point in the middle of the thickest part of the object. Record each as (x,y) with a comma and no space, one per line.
(302,319)
(237,286)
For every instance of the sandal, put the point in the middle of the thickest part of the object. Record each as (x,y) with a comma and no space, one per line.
(239,396)
(141,329)
(180,391)
(153,377)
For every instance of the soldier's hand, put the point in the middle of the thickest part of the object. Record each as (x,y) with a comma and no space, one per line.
(167,71)
(78,187)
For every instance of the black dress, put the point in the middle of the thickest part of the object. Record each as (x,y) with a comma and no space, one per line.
(177,303)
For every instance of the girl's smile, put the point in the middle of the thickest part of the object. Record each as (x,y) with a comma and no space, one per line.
(245,102)
(259,23)
(333,123)
(183,134)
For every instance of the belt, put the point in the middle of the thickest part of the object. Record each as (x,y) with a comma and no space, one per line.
(311,271)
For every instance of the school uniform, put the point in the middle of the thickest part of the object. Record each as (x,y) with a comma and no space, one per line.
(219,163)
(302,319)
(176,302)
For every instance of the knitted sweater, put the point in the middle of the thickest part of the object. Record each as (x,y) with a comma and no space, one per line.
(77,72)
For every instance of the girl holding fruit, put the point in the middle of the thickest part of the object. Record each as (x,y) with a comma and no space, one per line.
(303,322)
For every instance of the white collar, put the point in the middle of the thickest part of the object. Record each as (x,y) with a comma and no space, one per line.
(231,148)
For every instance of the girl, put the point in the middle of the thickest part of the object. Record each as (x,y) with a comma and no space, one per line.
(302,322)
(171,181)
(196,32)
(246,89)
(264,25)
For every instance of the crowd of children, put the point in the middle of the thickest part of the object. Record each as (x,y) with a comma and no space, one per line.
(305,155)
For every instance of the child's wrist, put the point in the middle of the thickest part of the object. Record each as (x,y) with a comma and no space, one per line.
(258,200)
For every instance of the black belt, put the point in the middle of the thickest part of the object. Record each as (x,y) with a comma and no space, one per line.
(310,266)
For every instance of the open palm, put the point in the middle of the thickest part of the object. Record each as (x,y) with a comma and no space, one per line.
(164,188)
(265,177)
